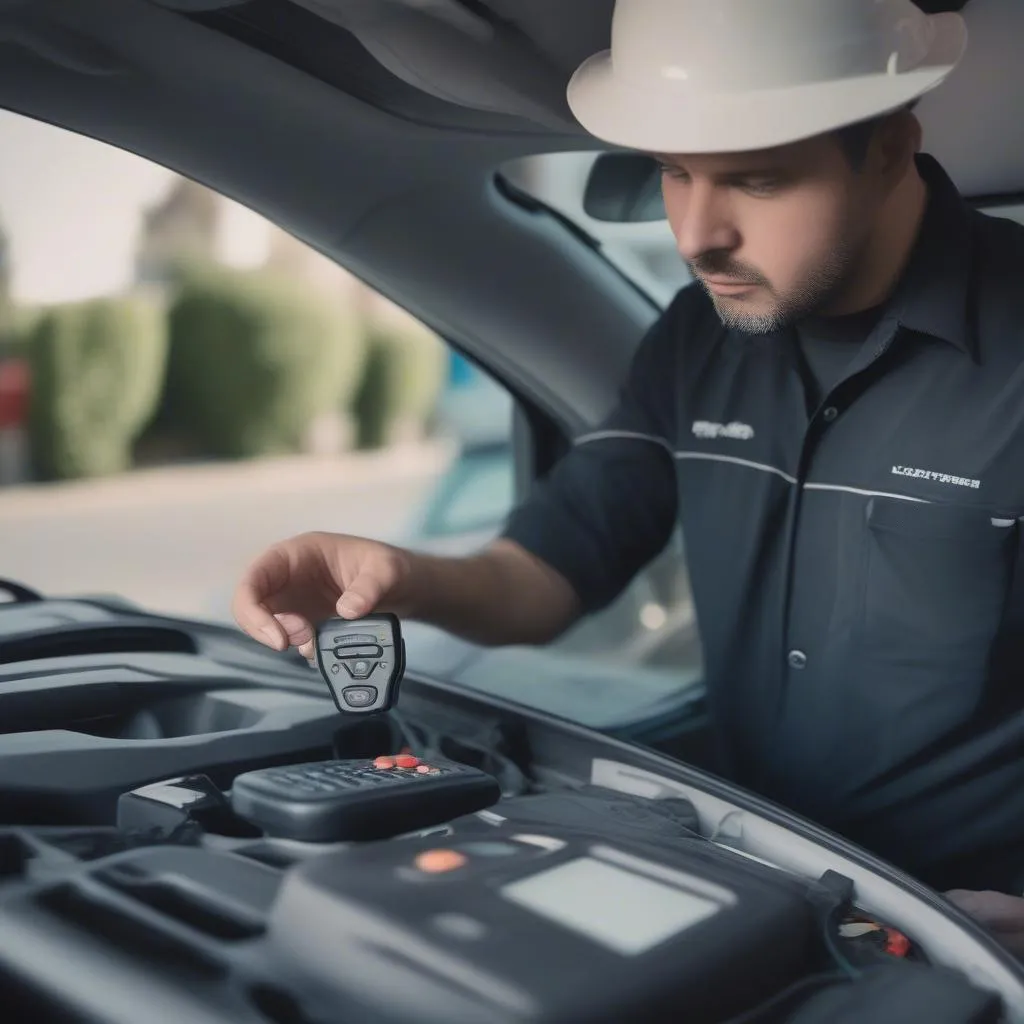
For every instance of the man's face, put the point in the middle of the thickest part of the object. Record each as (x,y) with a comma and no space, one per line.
(772,235)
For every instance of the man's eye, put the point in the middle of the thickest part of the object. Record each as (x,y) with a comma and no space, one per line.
(761,186)
(675,173)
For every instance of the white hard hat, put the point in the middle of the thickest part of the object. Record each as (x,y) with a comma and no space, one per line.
(719,76)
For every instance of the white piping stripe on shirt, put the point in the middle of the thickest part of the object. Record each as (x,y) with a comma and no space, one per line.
(629,435)
(624,435)
(867,494)
(738,462)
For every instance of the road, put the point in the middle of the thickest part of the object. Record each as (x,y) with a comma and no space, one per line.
(175,540)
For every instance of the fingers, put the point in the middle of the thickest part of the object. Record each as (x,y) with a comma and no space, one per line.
(299,632)
(288,589)
(996,910)
(289,630)
(297,629)
(264,577)
(254,618)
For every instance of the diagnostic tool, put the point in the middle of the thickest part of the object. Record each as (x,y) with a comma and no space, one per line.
(362,662)
(331,801)
(546,926)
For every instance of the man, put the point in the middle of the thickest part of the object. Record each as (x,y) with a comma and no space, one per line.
(835,414)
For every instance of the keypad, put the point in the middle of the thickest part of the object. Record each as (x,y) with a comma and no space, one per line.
(335,776)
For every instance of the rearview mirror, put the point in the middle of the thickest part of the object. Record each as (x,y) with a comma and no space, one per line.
(624,188)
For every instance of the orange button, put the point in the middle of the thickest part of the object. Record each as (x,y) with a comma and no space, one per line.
(406,761)
(436,862)
(384,762)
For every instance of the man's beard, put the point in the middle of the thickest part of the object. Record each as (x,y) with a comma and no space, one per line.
(821,287)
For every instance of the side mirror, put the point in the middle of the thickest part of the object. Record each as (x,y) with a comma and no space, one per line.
(624,188)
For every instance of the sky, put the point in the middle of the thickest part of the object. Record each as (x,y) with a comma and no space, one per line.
(70,207)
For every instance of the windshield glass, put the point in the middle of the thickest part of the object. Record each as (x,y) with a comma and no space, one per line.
(644,252)
(183,384)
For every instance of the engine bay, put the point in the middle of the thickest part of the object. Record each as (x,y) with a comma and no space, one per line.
(190,830)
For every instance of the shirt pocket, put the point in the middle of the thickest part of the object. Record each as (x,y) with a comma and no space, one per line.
(938,578)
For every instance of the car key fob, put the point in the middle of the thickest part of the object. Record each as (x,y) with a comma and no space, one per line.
(362,662)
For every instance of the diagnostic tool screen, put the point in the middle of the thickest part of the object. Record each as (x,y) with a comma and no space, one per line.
(622,910)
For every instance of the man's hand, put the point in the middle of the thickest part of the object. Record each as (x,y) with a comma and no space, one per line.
(501,595)
(1001,914)
(296,584)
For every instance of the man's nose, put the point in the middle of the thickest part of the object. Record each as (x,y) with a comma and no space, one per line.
(705,225)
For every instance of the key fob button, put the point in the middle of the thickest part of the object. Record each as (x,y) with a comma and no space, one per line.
(360,669)
(355,638)
(359,696)
(359,651)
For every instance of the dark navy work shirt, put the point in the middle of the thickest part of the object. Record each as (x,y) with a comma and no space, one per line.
(855,561)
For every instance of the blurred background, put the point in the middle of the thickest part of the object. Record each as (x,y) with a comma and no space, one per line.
(182,383)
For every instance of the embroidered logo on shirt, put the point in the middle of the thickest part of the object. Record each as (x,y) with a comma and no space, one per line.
(940,478)
(733,431)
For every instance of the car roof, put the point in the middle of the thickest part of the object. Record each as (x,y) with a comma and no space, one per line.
(373,130)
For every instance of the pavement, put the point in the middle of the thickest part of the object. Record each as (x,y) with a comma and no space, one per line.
(176,539)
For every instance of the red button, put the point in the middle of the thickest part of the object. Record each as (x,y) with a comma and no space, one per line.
(406,761)
(384,762)
(424,769)
(436,862)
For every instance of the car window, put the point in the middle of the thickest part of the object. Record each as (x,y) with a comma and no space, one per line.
(183,384)
(644,252)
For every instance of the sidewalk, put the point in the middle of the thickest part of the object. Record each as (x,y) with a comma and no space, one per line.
(202,481)
(175,539)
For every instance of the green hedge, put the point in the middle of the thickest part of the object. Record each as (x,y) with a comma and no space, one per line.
(254,359)
(20,326)
(405,372)
(96,368)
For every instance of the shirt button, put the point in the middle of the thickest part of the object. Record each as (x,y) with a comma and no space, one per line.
(830,413)
(797,659)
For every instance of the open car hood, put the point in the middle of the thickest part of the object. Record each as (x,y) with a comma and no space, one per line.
(102,702)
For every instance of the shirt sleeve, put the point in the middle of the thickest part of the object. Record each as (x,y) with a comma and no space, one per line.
(610,505)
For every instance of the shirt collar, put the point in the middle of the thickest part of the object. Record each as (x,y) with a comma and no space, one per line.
(932,296)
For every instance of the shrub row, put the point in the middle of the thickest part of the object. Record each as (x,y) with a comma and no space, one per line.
(240,365)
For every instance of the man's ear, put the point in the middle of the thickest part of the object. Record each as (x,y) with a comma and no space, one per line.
(897,140)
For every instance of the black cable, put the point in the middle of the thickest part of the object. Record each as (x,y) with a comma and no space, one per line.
(831,929)
(426,742)
(832,896)
(757,1013)
(417,738)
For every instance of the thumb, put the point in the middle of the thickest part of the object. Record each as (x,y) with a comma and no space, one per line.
(361,596)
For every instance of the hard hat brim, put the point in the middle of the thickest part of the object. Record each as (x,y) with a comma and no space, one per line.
(685,120)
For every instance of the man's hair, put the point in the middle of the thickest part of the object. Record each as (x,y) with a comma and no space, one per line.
(855,139)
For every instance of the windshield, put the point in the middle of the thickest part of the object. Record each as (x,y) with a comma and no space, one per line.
(644,252)
(183,384)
